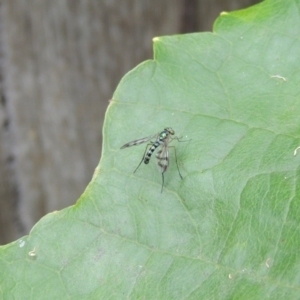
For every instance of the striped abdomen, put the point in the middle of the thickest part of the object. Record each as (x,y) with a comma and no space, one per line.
(150,151)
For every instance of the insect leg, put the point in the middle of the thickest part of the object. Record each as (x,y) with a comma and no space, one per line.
(178,139)
(162,183)
(150,144)
(176,161)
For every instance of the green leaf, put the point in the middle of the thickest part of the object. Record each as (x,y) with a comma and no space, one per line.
(230,228)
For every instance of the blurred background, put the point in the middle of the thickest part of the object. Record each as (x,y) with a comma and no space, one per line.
(60,62)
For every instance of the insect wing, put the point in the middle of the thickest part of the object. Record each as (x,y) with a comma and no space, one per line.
(163,158)
(138,142)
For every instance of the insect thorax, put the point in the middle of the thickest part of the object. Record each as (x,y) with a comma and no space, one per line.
(164,134)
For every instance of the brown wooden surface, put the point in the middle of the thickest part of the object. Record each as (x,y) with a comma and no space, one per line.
(60,63)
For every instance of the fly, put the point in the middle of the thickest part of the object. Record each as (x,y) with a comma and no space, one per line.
(162,140)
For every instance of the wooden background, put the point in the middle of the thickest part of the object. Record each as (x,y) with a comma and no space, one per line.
(60,62)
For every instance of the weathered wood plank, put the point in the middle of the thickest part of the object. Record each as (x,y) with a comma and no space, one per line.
(61,62)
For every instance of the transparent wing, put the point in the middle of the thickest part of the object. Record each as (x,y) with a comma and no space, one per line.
(162,156)
(139,141)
